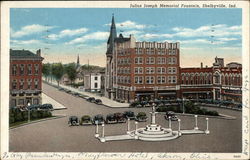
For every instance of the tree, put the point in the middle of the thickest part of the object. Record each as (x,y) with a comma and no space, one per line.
(70,69)
(57,71)
(46,70)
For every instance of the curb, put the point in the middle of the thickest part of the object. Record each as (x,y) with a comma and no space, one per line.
(221,116)
(37,121)
(56,101)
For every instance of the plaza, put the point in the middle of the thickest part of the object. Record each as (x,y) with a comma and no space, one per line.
(56,136)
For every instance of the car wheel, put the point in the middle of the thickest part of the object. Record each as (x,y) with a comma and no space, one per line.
(74,123)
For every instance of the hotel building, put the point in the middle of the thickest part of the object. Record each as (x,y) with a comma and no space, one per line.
(25,77)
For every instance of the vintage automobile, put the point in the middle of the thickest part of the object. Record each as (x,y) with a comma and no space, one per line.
(110,119)
(73,121)
(141,117)
(34,107)
(46,106)
(120,118)
(98,119)
(98,101)
(129,114)
(172,116)
(86,120)
(91,99)
(75,94)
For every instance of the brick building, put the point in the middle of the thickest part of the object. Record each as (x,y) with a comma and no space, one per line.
(216,82)
(150,70)
(141,70)
(25,77)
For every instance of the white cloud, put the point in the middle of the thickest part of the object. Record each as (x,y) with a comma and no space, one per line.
(30,29)
(92,36)
(25,42)
(220,30)
(130,25)
(227,39)
(67,32)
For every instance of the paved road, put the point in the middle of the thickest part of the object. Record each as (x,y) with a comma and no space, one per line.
(57,136)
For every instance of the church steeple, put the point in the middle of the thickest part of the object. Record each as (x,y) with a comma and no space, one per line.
(78,61)
(112,36)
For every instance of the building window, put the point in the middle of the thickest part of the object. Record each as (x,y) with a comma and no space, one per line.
(21,84)
(171,70)
(172,60)
(152,51)
(14,69)
(35,101)
(161,70)
(14,84)
(96,85)
(150,60)
(13,102)
(161,60)
(172,52)
(96,78)
(150,70)
(29,81)
(29,69)
(161,79)
(138,70)
(150,79)
(172,79)
(138,60)
(21,102)
(36,84)
(36,69)
(138,80)
(21,69)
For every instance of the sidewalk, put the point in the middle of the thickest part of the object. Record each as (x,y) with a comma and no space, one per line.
(56,105)
(107,102)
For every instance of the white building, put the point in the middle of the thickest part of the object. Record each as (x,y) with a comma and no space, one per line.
(92,82)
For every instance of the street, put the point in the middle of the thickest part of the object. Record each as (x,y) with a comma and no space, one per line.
(56,136)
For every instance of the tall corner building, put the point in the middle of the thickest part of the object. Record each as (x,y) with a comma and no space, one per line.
(25,77)
(141,70)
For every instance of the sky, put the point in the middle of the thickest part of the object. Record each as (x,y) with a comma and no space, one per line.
(63,33)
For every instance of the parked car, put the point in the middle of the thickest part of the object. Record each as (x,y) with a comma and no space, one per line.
(98,119)
(86,120)
(141,117)
(33,107)
(172,115)
(120,118)
(75,94)
(110,119)
(46,106)
(73,121)
(91,99)
(129,114)
(67,90)
(61,89)
(98,101)
(82,96)
(173,118)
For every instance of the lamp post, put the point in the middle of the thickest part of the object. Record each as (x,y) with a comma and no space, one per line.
(28,112)
(136,136)
(179,127)
(207,131)
(169,123)
(128,129)
(196,127)
(183,108)
(96,131)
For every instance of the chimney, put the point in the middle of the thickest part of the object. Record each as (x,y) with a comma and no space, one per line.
(201,65)
(38,52)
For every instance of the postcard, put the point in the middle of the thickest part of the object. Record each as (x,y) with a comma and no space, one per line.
(125,80)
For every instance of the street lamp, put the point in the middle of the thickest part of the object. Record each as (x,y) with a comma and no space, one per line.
(183,108)
(28,112)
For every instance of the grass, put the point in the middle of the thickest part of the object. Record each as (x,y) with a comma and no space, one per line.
(24,122)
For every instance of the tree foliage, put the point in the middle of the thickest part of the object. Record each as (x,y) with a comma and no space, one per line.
(70,70)
(46,70)
(57,71)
